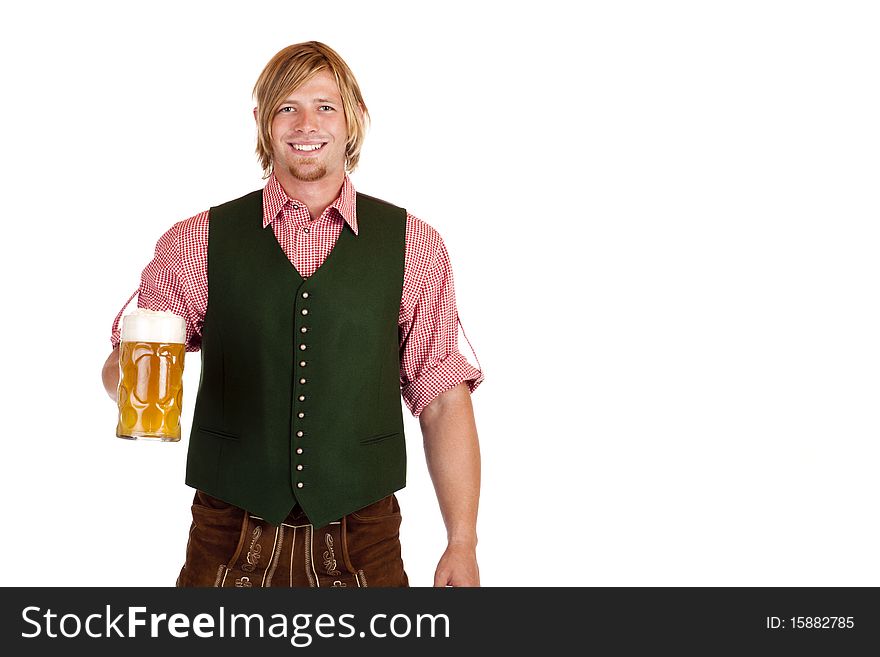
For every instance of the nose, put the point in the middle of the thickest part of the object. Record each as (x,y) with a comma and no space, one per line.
(307,121)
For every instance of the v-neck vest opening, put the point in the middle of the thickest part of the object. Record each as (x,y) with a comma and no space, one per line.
(346,235)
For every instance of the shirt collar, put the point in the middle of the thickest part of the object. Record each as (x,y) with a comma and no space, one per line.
(275,198)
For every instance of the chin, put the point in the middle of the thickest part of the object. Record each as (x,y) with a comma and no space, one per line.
(308,174)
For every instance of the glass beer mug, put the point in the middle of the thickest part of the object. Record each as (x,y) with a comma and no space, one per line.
(150,392)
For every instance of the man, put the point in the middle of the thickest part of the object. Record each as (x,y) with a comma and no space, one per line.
(325,306)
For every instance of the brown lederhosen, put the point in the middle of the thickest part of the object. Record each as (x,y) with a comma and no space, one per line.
(229,547)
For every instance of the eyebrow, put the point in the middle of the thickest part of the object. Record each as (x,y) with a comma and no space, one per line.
(314,100)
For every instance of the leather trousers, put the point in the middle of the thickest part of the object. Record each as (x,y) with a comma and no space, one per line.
(229,547)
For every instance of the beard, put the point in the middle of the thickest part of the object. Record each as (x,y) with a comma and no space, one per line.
(308,173)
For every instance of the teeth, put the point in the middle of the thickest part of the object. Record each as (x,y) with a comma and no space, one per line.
(306,147)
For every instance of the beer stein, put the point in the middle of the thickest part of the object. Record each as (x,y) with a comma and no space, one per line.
(150,392)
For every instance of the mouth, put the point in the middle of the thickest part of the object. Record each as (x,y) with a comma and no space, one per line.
(307,148)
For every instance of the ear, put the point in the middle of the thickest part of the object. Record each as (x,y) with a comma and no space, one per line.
(255,115)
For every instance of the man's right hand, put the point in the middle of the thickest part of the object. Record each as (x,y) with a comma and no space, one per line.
(110,374)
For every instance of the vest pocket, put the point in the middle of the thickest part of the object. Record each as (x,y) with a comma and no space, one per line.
(372,440)
(219,433)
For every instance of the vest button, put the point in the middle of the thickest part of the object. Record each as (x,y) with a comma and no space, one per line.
(299,450)
(305,311)
(299,434)
(302,347)
(299,467)
(302,363)
(304,330)
(302,380)
(305,295)
(302,397)
(299,484)
(301,415)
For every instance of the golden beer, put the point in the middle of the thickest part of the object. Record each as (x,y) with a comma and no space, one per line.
(150,392)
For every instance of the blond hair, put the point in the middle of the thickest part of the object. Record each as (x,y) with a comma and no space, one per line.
(289,69)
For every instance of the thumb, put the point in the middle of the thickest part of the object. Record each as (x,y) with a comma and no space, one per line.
(441,577)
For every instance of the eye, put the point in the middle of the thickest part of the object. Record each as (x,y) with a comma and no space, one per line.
(285,108)
(327,107)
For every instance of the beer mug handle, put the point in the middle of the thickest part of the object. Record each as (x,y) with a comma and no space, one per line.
(116,326)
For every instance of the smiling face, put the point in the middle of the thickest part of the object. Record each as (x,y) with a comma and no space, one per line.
(309,132)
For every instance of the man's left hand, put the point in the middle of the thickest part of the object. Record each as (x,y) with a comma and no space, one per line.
(458,567)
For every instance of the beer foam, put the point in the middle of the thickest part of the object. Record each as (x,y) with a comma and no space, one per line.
(144,325)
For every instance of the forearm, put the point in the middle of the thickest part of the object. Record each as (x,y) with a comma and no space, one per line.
(453,456)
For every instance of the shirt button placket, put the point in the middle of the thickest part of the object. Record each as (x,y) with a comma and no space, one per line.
(301,397)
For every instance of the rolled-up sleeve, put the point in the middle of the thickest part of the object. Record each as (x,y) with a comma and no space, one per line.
(430,360)
(164,286)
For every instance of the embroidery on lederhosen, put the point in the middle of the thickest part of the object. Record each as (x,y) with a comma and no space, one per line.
(250,566)
(331,556)
(322,555)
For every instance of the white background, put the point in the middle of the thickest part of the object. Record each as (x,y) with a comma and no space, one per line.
(662,219)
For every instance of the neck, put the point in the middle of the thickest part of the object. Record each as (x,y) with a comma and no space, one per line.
(317,194)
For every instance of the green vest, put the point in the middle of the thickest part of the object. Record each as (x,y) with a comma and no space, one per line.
(299,395)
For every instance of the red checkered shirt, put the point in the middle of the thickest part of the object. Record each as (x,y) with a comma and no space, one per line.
(176,280)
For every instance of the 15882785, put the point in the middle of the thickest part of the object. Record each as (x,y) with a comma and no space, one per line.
(810,623)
